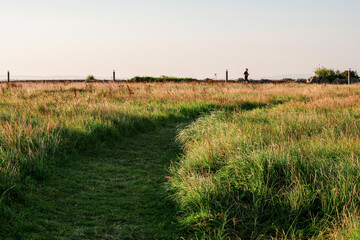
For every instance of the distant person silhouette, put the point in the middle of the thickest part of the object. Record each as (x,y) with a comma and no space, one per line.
(246,74)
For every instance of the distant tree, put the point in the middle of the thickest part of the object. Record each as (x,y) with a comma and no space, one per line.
(353,74)
(329,73)
(90,78)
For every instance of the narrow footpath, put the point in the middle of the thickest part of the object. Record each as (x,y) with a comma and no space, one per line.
(116,193)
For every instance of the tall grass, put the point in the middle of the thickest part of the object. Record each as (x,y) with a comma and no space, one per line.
(42,121)
(42,124)
(239,163)
(289,171)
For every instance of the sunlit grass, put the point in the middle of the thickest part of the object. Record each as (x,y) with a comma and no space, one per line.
(286,172)
(292,148)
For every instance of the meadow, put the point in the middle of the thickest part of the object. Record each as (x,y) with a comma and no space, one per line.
(222,161)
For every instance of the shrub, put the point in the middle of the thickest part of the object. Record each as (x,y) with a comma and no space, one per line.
(161,79)
(353,74)
(329,73)
(287,80)
(90,78)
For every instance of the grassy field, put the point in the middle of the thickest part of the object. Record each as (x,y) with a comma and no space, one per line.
(116,193)
(288,171)
(90,161)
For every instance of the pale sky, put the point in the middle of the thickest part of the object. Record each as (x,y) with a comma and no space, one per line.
(185,38)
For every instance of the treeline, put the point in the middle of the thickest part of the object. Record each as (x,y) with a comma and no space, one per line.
(161,79)
(331,74)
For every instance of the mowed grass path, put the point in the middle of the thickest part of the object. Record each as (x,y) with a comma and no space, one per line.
(118,192)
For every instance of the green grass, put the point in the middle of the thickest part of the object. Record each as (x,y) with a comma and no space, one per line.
(43,129)
(285,172)
(117,192)
(90,161)
(136,195)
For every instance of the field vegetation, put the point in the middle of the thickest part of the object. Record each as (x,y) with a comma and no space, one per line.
(45,127)
(331,74)
(288,171)
(161,79)
(259,161)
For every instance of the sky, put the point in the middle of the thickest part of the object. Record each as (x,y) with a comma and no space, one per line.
(183,38)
